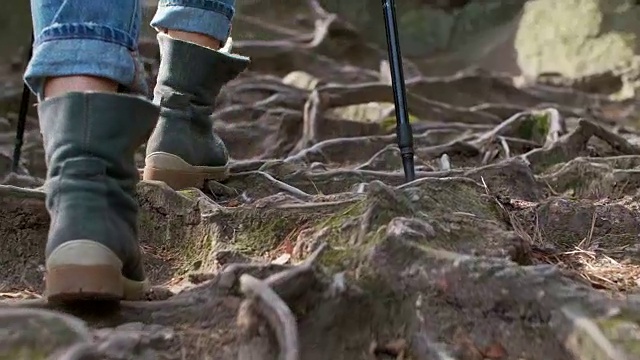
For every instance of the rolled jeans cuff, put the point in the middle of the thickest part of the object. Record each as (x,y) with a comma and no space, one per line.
(209,17)
(67,55)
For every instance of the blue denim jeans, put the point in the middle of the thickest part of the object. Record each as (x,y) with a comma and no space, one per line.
(100,37)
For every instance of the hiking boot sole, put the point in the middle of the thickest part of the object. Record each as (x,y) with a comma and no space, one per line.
(179,174)
(84,270)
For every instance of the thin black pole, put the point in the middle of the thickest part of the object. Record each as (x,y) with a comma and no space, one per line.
(22,117)
(403,127)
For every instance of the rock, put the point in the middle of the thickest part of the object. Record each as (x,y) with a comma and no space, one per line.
(34,334)
(590,43)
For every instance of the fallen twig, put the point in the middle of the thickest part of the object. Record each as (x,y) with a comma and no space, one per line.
(277,314)
(266,298)
(286,187)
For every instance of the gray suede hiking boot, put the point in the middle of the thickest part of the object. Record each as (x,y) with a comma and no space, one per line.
(183,151)
(92,248)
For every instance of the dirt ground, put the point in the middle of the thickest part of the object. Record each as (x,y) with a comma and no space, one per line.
(518,240)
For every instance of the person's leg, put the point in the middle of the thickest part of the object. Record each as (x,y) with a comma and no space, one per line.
(83,52)
(183,150)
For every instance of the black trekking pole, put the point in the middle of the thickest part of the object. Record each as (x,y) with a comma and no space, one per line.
(22,117)
(403,127)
